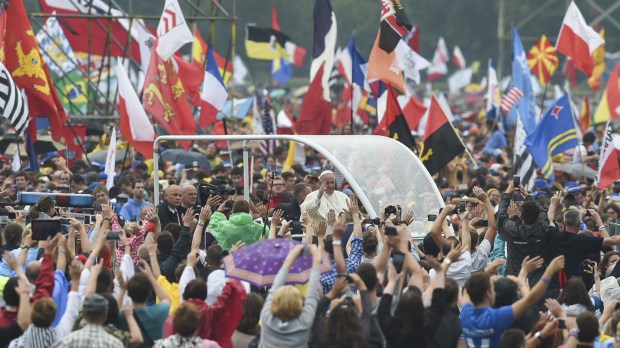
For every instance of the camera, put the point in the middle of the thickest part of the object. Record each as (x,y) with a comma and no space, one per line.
(389,210)
(482,223)
(297,226)
(215,188)
(375,221)
(587,266)
(462,206)
(229,204)
(432,217)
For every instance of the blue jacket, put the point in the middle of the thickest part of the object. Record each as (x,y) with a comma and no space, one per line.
(132,208)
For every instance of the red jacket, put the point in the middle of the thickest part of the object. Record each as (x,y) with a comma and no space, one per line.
(44,288)
(220,320)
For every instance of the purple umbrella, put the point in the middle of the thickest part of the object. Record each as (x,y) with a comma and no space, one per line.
(260,262)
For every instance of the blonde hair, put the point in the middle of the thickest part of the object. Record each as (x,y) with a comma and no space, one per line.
(287,303)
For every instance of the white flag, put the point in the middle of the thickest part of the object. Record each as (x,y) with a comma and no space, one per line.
(240,71)
(410,61)
(17,162)
(110,161)
(172,31)
(459,79)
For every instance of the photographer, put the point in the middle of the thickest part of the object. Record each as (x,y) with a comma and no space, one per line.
(240,226)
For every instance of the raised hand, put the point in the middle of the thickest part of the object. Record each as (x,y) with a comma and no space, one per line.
(106,211)
(530,265)
(205,213)
(321,229)
(407,218)
(188,217)
(276,218)
(338,230)
(322,190)
(214,201)
(237,246)
(480,194)
(556,198)
(331,217)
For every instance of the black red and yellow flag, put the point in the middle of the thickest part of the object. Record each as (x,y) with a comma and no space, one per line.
(265,43)
(394,124)
(542,60)
(440,142)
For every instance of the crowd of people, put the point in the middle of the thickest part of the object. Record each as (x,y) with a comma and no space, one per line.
(502,266)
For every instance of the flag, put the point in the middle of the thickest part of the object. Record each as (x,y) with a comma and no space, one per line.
(521,78)
(440,142)
(281,70)
(192,76)
(16,165)
(110,161)
(296,53)
(510,99)
(599,64)
(265,43)
(384,66)
(74,150)
(457,58)
(554,134)
(275,22)
(74,93)
(460,79)
(393,124)
(172,31)
(413,110)
(492,91)
(410,62)
(325,34)
(585,117)
(241,71)
(164,98)
(352,67)
(199,52)
(523,163)
(315,115)
(578,40)
(394,24)
(413,38)
(135,125)
(29,71)
(214,92)
(609,106)
(12,104)
(609,159)
(284,122)
(264,121)
(438,66)
(55,48)
(542,60)
(122,28)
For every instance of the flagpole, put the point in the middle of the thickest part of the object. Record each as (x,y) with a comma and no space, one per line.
(352,69)
(457,134)
(544,97)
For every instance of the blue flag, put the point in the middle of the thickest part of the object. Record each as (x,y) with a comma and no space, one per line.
(281,70)
(554,134)
(358,64)
(526,106)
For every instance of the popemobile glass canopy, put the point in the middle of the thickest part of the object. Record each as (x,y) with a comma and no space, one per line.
(380,170)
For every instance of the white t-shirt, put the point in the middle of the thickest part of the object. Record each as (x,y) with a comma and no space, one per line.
(580,152)
(459,270)
(480,257)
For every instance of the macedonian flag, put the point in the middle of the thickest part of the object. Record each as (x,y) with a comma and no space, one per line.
(542,60)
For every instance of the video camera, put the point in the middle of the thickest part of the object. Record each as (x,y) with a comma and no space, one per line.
(216,188)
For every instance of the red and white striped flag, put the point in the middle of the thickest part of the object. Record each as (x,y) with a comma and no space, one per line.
(510,99)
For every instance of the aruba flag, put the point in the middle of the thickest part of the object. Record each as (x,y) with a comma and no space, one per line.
(554,134)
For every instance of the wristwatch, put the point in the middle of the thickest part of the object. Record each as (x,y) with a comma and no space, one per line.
(337,242)
(25,246)
(200,223)
(447,261)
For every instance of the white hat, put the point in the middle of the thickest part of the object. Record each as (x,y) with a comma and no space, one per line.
(326,172)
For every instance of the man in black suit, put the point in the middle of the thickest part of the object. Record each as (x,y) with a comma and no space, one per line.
(171,209)
(292,210)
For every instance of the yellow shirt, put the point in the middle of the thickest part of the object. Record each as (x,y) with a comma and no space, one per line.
(172,290)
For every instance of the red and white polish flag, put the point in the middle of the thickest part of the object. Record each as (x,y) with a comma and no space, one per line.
(578,40)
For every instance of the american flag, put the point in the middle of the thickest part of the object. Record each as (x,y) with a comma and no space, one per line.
(510,99)
(264,123)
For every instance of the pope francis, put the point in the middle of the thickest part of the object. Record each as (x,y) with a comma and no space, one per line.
(319,203)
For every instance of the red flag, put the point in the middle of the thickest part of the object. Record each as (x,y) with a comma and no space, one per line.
(393,123)
(164,98)
(315,116)
(77,29)
(218,129)
(74,150)
(570,71)
(413,38)
(275,23)
(413,110)
(191,76)
(578,40)
(24,61)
